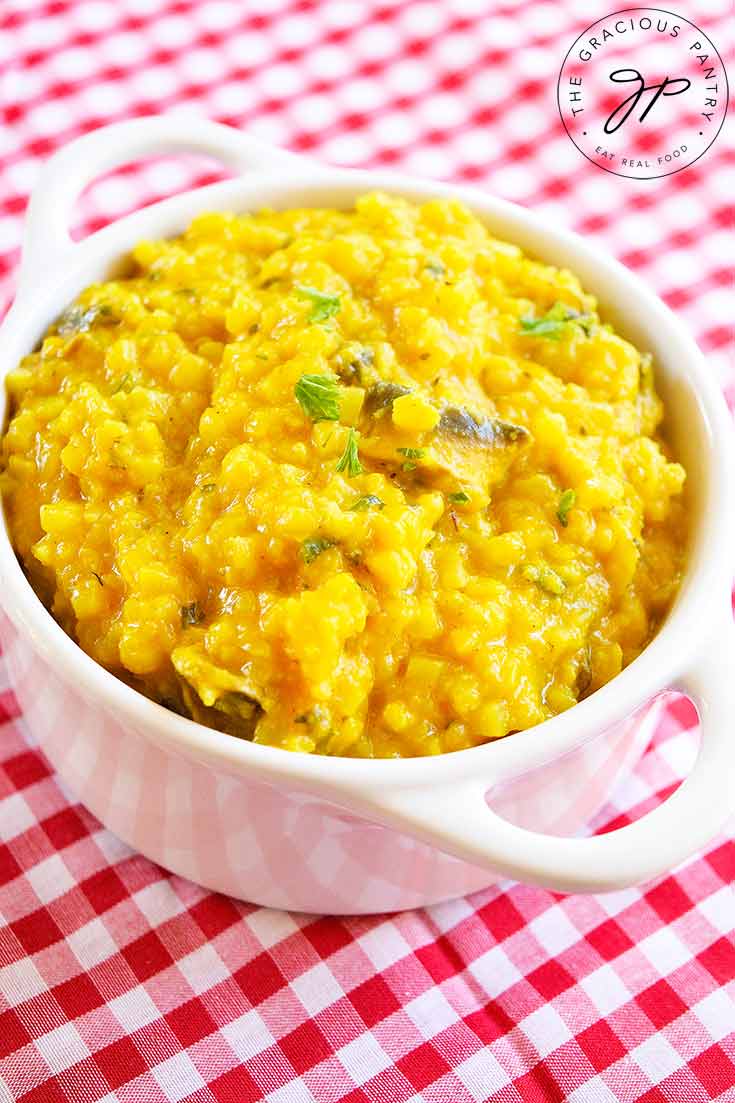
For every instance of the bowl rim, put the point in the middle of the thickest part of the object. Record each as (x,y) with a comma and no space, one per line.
(704,587)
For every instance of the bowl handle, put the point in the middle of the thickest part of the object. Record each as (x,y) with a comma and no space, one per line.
(47,242)
(457,819)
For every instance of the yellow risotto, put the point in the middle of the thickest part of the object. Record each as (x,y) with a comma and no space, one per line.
(366,482)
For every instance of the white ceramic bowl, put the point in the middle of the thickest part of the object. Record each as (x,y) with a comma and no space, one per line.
(341,835)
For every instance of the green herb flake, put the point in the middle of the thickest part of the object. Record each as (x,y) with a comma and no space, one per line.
(324,306)
(460,497)
(208,488)
(367,502)
(411,454)
(545,579)
(318,397)
(349,461)
(312,548)
(124,384)
(436,269)
(566,502)
(191,614)
(551,325)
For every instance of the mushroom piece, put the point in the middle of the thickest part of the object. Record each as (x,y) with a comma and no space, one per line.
(380,397)
(216,697)
(491,433)
(462,452)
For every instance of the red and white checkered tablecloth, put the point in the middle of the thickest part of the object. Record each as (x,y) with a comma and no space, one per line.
(119,982)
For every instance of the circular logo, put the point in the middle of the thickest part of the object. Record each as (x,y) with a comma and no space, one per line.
(642,93)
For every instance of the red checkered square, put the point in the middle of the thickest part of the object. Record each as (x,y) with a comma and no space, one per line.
(661,1003)
(514,995)
(190,1022)
(235,1086)
(539,1086)
(551,979)
(260,978)
(374,1000)
(601,1045)
(722,861)
(48,1092)
(36,931)
(501,918)
(77,996)
(327,936)
(669,900)
(423,1066)
(490,1023)
(9,868)
(25,769)
(64,828)
(439,959)
(13,1035)
(215,914)
(655,1095)
(120,1062)
(719,960)
(9,707)
(147,956)
(609,939)
(103,890)
(715,1069)
(305,1047)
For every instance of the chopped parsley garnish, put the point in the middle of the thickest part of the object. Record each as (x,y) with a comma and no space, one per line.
(124,384)
(349,461)
(566,502)
(324,306)
(436,269)
(318,397)
(367,502)
(313,547)
(191,614)
(459,497)
(551,324)
(411,454)
(545,579)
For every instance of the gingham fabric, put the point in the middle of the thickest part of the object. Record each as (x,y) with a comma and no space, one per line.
(121,982)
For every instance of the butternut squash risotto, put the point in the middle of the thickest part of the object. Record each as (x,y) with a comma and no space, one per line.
(365,482)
